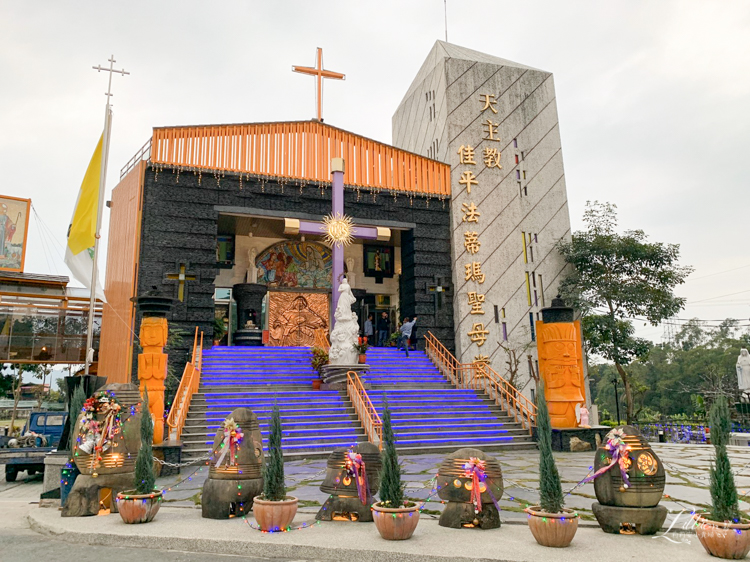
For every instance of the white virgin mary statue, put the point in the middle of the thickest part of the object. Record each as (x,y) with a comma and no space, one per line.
(346,330)
(743,370)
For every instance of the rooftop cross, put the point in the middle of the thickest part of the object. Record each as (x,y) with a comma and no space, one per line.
(320,73)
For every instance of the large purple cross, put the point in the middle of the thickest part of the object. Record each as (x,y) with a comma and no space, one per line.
(294,226)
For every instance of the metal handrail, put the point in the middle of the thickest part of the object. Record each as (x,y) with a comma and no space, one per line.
(482,377)
(366,412)
(189,383)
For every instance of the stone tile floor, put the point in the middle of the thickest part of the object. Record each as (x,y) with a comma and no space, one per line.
(686,489)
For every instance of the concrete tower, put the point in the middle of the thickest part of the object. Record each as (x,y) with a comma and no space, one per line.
(495,123)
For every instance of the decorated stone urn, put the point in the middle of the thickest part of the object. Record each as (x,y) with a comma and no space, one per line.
(235,474)
(629,481)
(471,482)
(107,438)
(107,431)
(352,477)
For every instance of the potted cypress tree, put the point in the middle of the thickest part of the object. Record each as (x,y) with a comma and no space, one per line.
(394,518)
(550,522)
(70,471)
(724,533)
(142,504)
(274,510)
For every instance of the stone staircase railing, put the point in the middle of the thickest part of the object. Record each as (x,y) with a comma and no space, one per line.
(482,377)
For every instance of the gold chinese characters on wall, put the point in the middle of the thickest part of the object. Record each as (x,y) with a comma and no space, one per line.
(471,214)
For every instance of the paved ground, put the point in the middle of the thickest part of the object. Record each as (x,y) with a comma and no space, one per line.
(180,528)
(686,466)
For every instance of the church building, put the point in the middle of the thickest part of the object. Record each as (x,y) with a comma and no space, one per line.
(468,204)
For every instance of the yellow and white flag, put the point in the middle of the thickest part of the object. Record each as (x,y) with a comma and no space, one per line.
(79,252)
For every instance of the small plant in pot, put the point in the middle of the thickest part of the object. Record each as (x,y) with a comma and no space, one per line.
(142,504)
(220,330)
(318,360)
(274,510)
(394,518)
(550,522)
(362,346)
(724,532)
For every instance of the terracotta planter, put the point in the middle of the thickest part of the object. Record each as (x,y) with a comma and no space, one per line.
(138,508)
(362,358)
(274,516)
(396,524)
(316,384)
(552,529)
(723,540)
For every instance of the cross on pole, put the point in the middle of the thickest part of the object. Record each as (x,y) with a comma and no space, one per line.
(102,185)
(296,226)
(319,73)
(111,71)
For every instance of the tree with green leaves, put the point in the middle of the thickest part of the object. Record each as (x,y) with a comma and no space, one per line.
(144,462)
(274,488)
(391,487)
(550,489)
(724,502)
(614,279)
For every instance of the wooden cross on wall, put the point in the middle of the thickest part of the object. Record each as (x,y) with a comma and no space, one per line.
(181,277)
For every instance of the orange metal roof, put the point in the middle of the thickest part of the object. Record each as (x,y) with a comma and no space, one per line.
(299,150)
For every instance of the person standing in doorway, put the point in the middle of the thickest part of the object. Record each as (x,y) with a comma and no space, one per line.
(406,329)
(368,329)
(384,327)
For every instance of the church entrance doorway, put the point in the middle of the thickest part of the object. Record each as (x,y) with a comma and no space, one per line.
(294,317)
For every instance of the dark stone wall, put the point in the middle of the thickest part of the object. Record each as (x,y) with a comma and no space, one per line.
(179,225)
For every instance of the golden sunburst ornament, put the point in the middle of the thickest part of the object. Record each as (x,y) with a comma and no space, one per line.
(339,229)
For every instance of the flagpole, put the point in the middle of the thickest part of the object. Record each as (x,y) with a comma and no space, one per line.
(102,186)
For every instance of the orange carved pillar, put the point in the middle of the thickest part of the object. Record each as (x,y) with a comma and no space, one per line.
(561,363)
(152,369)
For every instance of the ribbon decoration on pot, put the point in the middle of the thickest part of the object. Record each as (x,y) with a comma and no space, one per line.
(616,447)
(476,470)
(355,466)
(232,439)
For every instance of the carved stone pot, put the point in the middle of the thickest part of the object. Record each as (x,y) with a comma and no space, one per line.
(138,508)
(552,529)
(722,539)
(396,524)
(274,516)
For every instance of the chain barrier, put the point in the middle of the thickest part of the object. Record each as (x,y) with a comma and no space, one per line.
(181,464)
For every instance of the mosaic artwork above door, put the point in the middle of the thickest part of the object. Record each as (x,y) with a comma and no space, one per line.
(303,265)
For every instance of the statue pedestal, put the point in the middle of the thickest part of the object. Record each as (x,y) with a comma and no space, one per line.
(249,299)
(334,376)
(561,437)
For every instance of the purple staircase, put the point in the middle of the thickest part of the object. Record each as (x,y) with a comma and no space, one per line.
(428,413)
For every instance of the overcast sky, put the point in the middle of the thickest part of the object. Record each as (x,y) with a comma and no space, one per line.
(652,95)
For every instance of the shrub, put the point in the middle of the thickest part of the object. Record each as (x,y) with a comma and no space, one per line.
(144,462)
(391,487)
(725,506)
(274,488)
(550,490)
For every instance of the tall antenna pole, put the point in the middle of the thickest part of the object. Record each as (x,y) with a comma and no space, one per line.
(102,184)
(445,3)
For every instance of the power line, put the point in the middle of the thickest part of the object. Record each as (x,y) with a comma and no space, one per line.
(718,273)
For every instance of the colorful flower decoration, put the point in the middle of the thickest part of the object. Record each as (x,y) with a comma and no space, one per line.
(232,438)
(355,468)
(616,447)
(100,424)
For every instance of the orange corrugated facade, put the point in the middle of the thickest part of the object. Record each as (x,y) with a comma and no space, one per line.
(299,150)
(116,347)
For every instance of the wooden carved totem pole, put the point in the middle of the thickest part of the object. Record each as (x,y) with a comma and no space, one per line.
(152,369)
(561,363)
(152,361)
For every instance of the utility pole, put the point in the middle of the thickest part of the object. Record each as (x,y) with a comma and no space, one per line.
(615,382)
